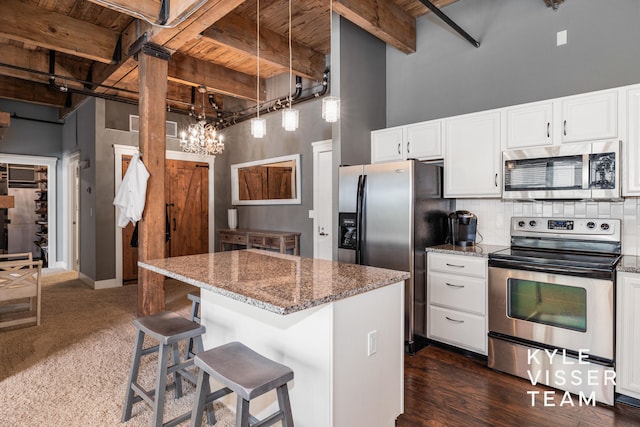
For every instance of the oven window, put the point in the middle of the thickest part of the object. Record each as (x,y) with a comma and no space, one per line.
(548,304)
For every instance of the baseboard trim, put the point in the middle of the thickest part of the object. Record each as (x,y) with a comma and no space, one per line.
(100,284)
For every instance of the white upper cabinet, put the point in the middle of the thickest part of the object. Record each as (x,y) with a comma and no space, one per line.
(631,147)
(530,125)
(423,141)
(416,141)
(387,145)
(472,155)
(590,116)
(577,118)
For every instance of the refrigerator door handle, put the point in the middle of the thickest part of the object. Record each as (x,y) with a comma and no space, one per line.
(362,179)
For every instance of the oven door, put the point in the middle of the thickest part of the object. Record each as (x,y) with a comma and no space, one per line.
(566,312)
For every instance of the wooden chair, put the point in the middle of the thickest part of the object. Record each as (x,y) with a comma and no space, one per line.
(20,278)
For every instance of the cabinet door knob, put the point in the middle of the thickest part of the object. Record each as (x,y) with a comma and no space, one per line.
(548,128)
(495,180)
(564,128)
(399,152)
(408,145)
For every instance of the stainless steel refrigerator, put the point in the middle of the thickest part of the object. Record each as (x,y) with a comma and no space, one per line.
(388,214)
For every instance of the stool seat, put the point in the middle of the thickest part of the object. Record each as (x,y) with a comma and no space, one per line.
(249,375)
(168,327)
(244,371)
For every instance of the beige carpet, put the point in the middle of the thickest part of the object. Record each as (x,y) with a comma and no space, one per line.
(72,370)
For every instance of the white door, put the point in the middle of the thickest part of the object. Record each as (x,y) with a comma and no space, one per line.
(322,200)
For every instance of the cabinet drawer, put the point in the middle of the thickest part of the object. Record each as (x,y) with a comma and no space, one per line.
(457,328)
(457,264)
(273,242)
(233,238)
(458,292)
(256,240)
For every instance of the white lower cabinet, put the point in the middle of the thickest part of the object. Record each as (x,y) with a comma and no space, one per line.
(628,335)
(457,300)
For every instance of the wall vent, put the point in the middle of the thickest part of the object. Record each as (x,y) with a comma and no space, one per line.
(134,126)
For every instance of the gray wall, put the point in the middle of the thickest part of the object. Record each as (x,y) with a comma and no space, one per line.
(81,136)
(33,138)
(241,147)
(518,60)
(361,88)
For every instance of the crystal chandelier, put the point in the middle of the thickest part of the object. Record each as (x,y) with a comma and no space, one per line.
(289,115)
(201,137)
(258,125)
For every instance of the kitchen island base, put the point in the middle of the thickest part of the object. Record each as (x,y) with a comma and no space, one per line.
(336,382)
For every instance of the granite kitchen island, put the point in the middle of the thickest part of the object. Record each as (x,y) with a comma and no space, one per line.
(338,326)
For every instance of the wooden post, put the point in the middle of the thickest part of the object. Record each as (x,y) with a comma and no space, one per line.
(152,78)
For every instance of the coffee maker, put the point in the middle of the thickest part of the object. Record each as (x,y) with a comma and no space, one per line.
(462,228)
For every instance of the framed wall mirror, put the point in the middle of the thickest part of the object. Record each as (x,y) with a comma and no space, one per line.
(274,181)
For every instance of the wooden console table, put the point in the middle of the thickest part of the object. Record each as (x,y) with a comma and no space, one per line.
(261,239)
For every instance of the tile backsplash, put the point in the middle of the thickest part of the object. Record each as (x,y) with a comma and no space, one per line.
(494,217)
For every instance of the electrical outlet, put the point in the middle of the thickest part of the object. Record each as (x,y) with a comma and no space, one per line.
(372,343)
(561,38)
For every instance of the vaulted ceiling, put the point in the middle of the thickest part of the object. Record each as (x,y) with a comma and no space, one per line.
(58,52)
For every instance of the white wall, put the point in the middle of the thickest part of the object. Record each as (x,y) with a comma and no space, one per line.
(494,216)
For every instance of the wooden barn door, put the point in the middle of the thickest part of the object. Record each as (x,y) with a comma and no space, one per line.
(187,198)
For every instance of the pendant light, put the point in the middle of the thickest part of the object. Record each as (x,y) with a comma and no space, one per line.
(258,125)
(330,104)
(289,115)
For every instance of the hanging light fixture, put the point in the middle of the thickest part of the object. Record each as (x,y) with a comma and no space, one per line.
(289,115)
(258,125)
(330,104)
(201,137)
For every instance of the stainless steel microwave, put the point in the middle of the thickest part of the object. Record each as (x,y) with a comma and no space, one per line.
(576,171)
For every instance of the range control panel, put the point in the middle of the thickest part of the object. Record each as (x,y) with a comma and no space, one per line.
(570,227)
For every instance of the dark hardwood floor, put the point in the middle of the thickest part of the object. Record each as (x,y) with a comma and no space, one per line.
(445,388)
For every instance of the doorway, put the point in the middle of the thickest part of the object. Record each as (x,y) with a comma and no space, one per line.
(187,215)
(322,200)
(121,151)
(28,223)
(71,207)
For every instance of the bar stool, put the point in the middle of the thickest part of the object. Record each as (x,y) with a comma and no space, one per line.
(195,317)
(168,329)
(249,375)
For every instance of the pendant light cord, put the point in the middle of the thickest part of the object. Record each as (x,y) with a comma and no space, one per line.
(258,61)
(290,60)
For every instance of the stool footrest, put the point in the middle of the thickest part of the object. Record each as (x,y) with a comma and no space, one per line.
(271,419)
(217,395)
(149,350)
(146,395)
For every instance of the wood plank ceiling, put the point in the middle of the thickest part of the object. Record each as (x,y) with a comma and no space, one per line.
(58,52)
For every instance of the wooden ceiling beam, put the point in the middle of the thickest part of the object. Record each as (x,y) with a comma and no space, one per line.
(207,15)
(26,91)
(19,60)
(238,33)
(187,70)
(170,38)
(28,23)
(384,19)
(149,9)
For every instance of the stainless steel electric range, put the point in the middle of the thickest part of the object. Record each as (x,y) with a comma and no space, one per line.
(552,301)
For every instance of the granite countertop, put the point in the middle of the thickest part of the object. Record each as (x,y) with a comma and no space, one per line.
(275,282)
(629,264)
(475,250)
